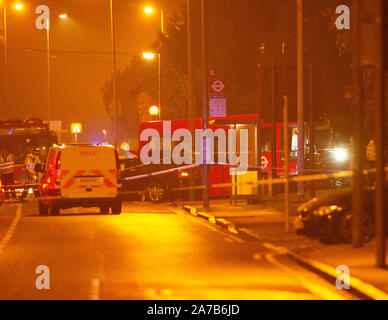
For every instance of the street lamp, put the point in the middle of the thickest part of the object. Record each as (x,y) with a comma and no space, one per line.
(114,70)
(153,111)
(151,56)
(18,6)
(62,16)
(149,10)
(148,55)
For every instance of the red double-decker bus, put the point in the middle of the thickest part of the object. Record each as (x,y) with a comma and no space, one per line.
(19,135)
(220,173)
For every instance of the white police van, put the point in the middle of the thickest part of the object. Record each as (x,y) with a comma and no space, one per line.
(81,175)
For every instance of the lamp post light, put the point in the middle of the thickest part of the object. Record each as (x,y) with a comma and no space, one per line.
(151,56)
(114,69)
(154,111)
(62,16)
(149,10)
(17,6)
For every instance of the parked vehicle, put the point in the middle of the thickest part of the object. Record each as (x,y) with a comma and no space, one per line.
(129,161)
(308,221)
(156,182)
(81,175)
(1,193)
(220,173)
(18,135)
(330,218)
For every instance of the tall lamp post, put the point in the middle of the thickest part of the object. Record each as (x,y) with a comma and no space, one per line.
(62,16)
(300,68)
(48,73)
(17,6)
(205,100)
(114,69)
(150,10)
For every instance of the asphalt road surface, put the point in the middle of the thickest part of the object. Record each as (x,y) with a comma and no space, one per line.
(148,252)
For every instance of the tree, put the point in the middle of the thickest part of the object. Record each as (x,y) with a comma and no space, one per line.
(236,29)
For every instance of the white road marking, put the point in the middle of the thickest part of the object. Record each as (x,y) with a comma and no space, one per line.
(250,233)
(307,283)
(209,226)
(95,290)
(11,228)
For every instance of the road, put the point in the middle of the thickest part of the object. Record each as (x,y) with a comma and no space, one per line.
(148,252)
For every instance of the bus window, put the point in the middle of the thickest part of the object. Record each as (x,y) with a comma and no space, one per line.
(266,140)
(292,133)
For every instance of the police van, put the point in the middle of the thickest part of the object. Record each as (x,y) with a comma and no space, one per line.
(81,175)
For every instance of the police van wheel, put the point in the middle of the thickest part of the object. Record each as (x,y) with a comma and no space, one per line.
(43,209)
(116,208)
(54,210)
(104,209)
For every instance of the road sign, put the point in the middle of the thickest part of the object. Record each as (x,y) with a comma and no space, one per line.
(76,128)
(217,106)
(217,87)
(264,161)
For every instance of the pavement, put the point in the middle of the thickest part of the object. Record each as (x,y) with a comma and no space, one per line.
(265,222)
(150,251)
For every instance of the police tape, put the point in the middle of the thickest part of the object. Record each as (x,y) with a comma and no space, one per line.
(20,186)
(283,180)
(147,175)
(263,182)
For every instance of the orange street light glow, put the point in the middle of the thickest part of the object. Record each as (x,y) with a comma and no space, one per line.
(148,10)
(18,6)
(148,55)
(63,16)
(154,111)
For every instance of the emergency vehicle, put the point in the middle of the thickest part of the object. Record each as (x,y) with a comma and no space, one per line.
(81,175)
(18,135)
(220,173)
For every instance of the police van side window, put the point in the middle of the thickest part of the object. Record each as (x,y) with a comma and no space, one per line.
(50,160)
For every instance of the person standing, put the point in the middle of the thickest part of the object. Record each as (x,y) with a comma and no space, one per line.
(7,174)
(32,176)
(371,153)
(371,158)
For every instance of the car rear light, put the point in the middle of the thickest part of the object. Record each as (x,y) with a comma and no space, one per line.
(48,183)
(183,174)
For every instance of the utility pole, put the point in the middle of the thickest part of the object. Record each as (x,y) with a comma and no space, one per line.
(273,117)
(48,26)
(5,57)
(286,165)
(300,94)
(114,69)
(380,129)
(312,133)
(205,101)
(190,88)
(357,133)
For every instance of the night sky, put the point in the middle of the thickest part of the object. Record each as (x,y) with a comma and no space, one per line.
(81,55)
(81,58)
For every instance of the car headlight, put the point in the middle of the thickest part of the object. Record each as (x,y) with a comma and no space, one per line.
(340,154)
